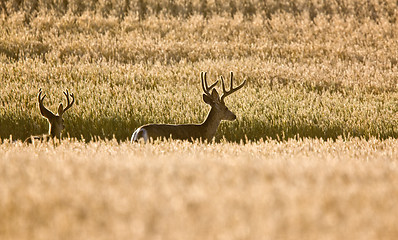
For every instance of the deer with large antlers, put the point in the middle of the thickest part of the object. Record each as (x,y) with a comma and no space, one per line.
(56,123)
(204,131)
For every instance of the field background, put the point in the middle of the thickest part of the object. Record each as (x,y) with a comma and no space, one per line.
(312,154)
(314,69)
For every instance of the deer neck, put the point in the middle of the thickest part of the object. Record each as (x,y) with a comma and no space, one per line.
(211,123)
(54,131)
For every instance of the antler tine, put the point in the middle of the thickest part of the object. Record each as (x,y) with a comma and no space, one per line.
(39,96)
(43,110)
(66,93)
(206,88)
(231,90)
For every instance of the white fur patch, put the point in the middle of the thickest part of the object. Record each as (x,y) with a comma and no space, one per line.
(139,133)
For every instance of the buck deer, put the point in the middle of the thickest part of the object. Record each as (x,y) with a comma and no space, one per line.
(204,131)
(56,123)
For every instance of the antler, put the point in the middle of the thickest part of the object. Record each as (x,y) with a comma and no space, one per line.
(206,88)
(231,90)
(67,98)
(43,110)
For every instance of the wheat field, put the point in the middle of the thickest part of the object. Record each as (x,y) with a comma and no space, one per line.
(298,189)
(326,74)
(312,154)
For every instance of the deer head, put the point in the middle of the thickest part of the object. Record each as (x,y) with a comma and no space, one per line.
(55,121)
(217,102)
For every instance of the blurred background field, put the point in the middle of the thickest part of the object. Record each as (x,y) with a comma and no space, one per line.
(314,68)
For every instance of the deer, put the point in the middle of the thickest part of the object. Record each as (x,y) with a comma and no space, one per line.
(56,122)
(204,131)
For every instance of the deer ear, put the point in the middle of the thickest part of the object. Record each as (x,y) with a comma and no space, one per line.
(208,100)
(214,94)
(60,109)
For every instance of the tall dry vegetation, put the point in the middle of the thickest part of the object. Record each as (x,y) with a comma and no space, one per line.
(314,69)
(298,189)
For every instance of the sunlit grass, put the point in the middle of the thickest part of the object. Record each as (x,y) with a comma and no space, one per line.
(113,100)
(333,76)
(312,154)
(306,189)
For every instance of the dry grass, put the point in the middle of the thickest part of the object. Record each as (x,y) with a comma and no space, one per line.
(307,78)
(307,189)
(315,69)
